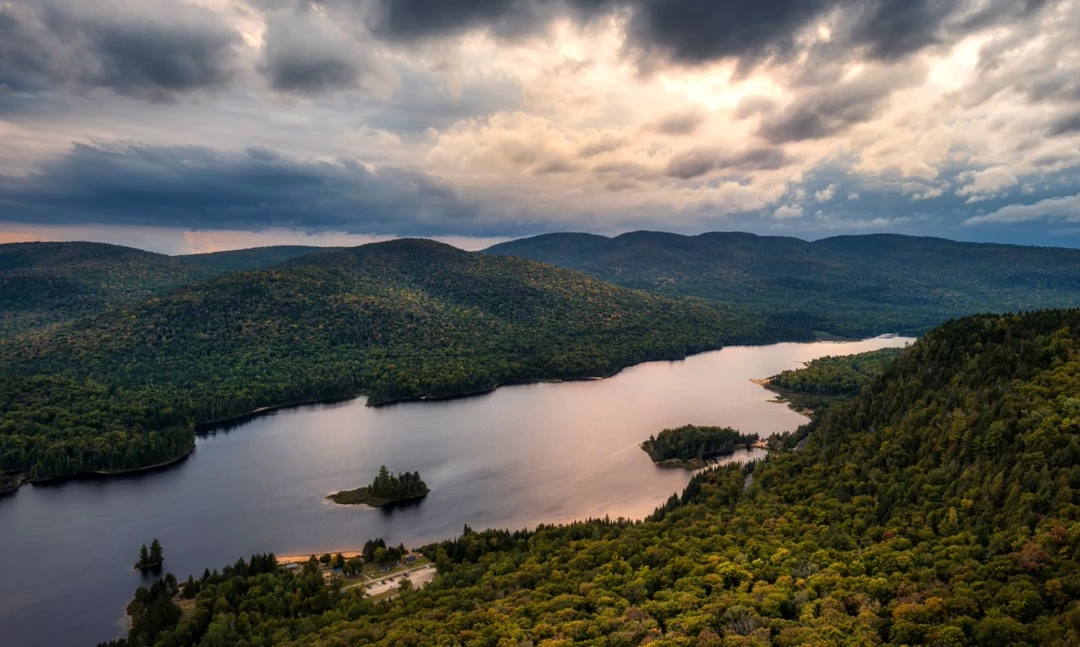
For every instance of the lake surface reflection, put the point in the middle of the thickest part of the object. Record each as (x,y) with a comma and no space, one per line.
(514,458)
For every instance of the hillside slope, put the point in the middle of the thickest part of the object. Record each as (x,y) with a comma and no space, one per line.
(42,284)
(397,320)
(254,258)
(848,285)
(941,506)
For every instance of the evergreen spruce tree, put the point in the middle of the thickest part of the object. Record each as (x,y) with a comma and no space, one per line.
(157,555)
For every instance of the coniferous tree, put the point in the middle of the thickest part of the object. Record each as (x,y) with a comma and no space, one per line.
(157,555)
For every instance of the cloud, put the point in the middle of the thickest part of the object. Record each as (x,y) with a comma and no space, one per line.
(153,50)
(928,194)
(305,53)
(606,143)
(828,110)
(990,180)
(679,124)
(1067,208)
(788,212)
(515,116)
(692,32)
(697,162)
(825,194)
(415,19)
(1066,125)
(194,187)
(895,28)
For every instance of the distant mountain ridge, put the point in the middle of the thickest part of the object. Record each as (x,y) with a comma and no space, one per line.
(847,285)
(42,284)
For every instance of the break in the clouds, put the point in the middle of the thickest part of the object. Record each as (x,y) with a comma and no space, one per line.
(511,117)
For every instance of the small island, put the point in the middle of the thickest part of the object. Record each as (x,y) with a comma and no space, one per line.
(152,558)
(690,446)
(385,490)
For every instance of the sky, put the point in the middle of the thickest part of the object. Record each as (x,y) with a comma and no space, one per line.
(196,125)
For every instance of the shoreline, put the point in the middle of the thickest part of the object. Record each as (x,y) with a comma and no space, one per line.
(403,501)
(92,475)
(221,424)
(208,428)
(302,559)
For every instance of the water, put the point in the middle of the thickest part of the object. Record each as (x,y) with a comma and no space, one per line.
(514,458)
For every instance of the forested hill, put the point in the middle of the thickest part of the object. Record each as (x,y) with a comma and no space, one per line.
(254,258)
(848,285)
(47,283)
(941,506)
(403,319)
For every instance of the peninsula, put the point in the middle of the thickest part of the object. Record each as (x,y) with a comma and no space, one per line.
(385,490)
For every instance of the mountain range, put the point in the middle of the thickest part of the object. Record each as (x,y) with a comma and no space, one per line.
(849,286)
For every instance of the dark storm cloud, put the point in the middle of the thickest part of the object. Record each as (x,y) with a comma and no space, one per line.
(1066,125)
(197,187)
(152,51)
(306,53)
(829,110)
(894,28)
(696,163)
(418,19)
(684,31)
(696,31)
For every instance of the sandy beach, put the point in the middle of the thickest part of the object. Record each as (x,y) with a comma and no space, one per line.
(300,559)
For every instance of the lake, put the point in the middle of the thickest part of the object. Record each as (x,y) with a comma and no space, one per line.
(513,458)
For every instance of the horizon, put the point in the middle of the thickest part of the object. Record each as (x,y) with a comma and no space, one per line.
(195,125)
(471,244)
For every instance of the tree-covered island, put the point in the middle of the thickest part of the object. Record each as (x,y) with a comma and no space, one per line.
(691,446)
(151,558)
(385,490)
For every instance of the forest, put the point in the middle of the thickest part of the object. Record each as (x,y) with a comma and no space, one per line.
(690,446)
(939,506)
(406,319)
(385,490)
(829,380)
(847,286)
(43,284)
